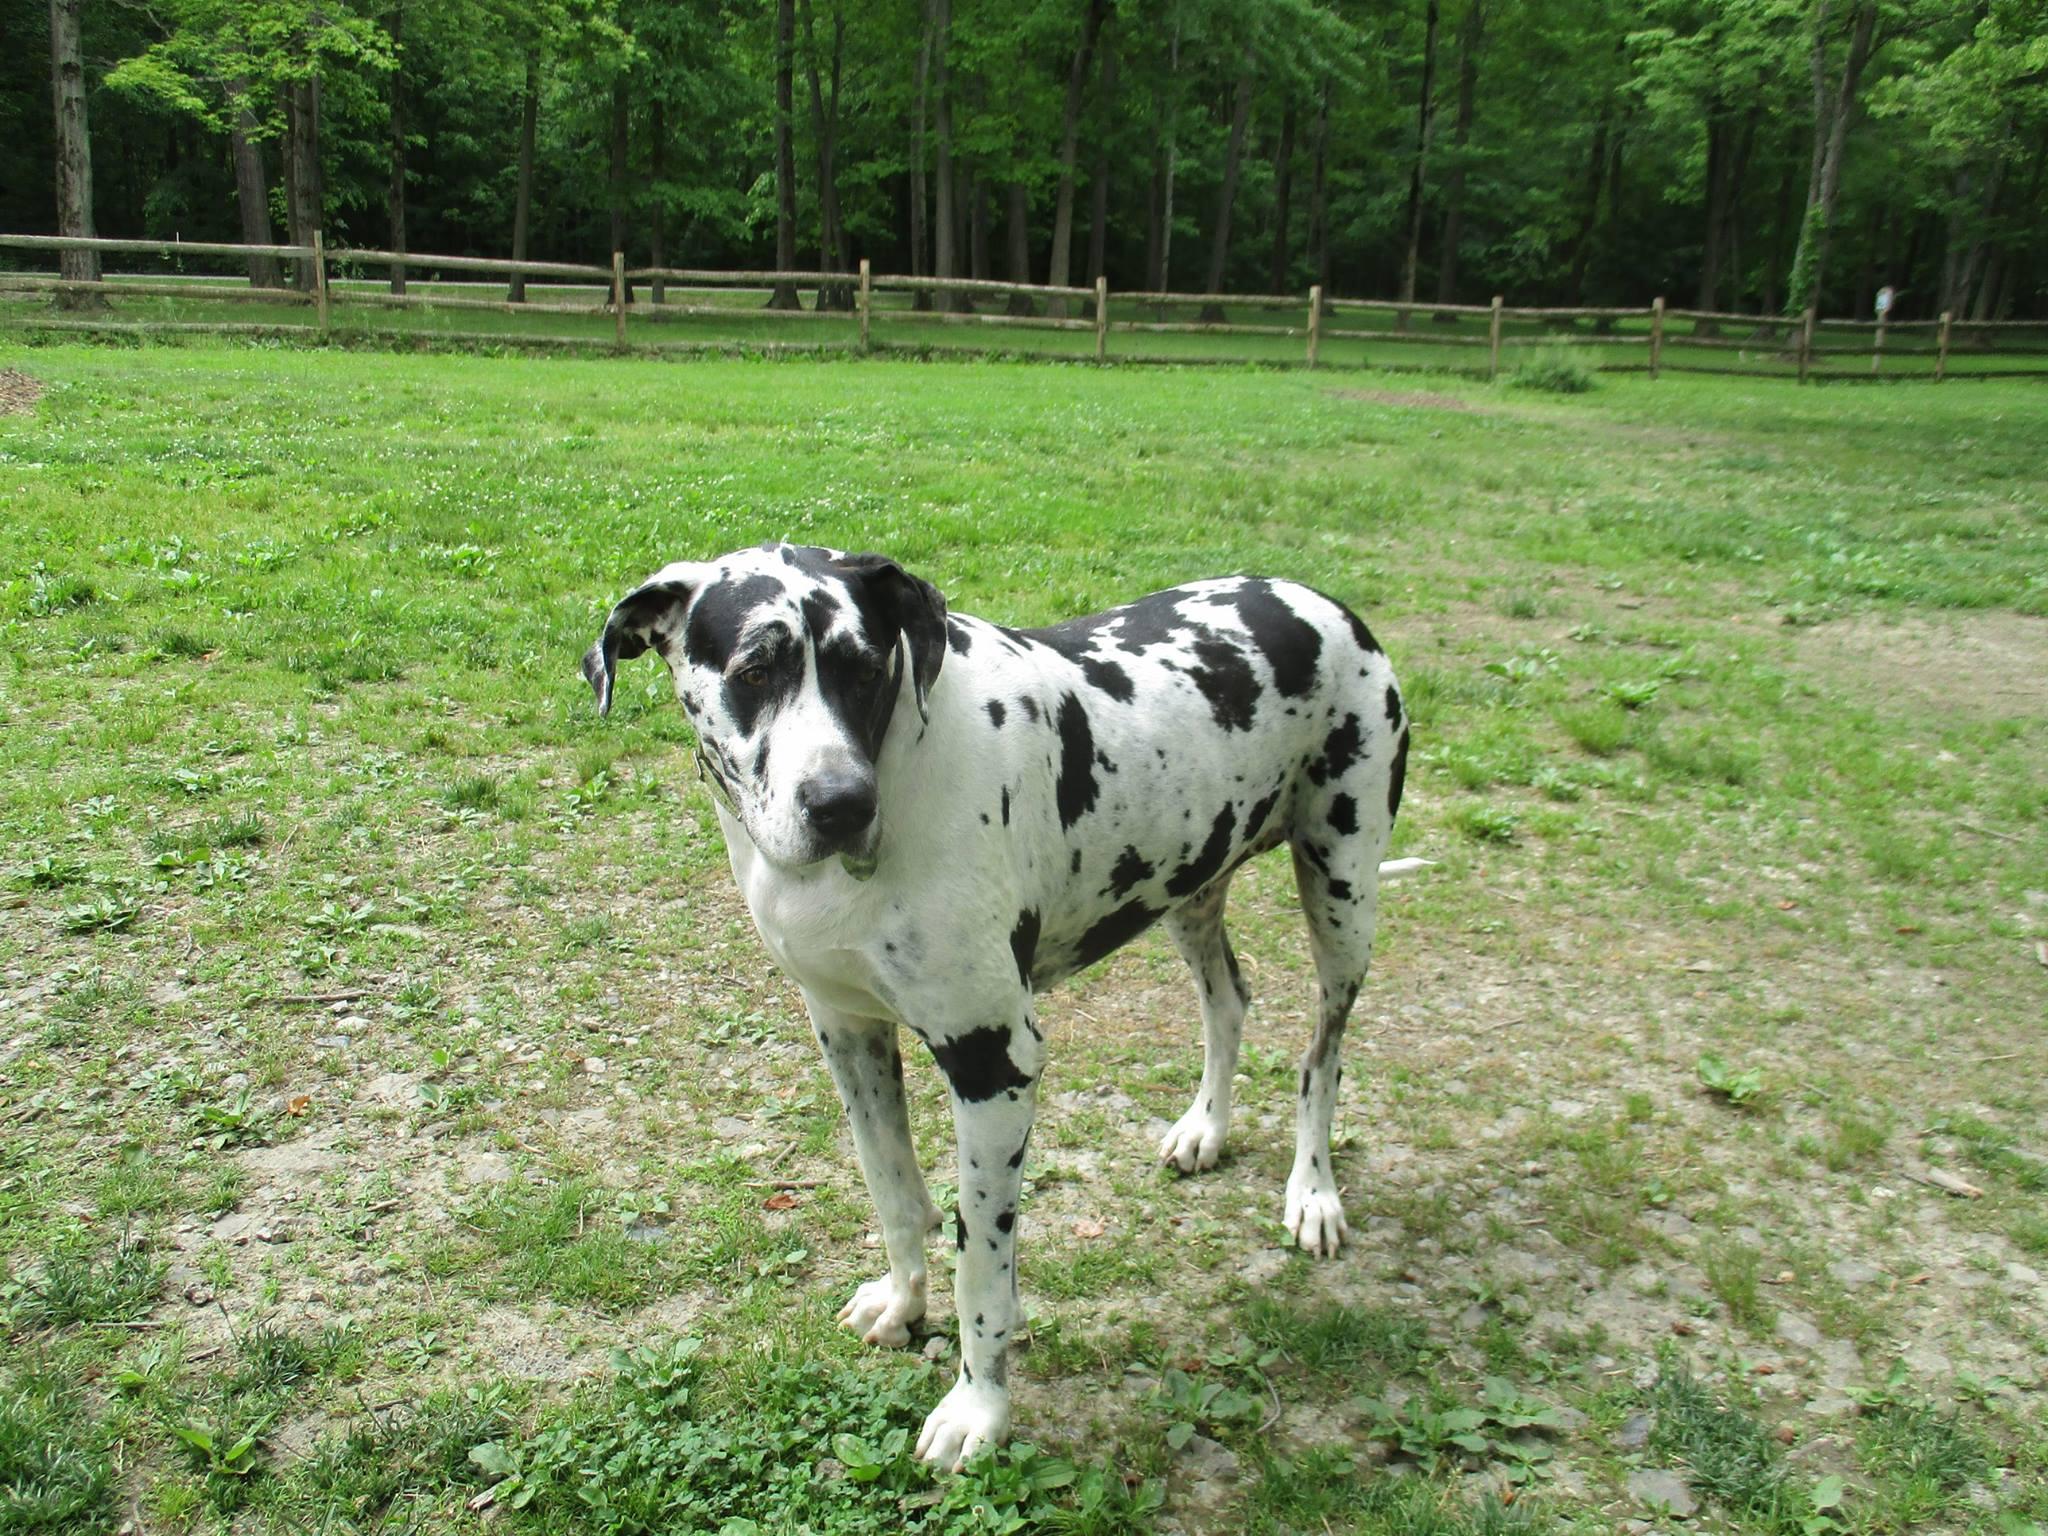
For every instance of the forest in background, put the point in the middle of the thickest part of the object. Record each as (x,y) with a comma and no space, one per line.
(1728,154)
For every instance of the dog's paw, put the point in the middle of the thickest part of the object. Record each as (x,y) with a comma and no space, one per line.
(881,1312)
(969,1419)
(1315,1219)
(1195,1142)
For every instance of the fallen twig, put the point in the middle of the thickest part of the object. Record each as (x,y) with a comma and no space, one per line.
(320,999)
(785,1183)
(1946,1182)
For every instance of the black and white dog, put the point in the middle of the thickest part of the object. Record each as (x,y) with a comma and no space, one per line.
(933,817)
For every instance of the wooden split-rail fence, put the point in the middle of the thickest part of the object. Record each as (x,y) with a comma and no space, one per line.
(1773,345)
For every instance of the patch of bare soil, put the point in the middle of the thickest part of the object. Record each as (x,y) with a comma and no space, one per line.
(1985,665)
(1423,399)
(18,392)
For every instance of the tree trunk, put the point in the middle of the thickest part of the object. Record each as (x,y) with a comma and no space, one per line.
(1058,262)
(945,253)
(1283,186)
(394,195)
(302,170)
(832,255)
(1099,178)
(1165,165)
(919,244)
(1425,113)
(1589,211)
(1226,196)
(73,145)
(1817,70)
(252,190)
(977,228)
(522,206)
(1319,195)
(657,201)
(1017,246)
(1453,230)
(784,294)
(1774,273)
(1809,266)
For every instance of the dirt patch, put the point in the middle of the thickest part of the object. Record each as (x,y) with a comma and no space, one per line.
(1421,398)
(1984,665)
(18,392)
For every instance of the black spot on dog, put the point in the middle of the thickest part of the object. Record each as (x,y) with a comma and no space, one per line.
(1340,890)
(1344,815)
(1024,943)
(1395,778)
(1006,805)
(1289,642)
(1340,750)
(1075,792)
(1074,864)
(819,606)
(960,1228)
(1131,869)
(1201,869)
(978,1064)
(1017,1157)
(1114,931)
(996,712)
(1006,1221)
(1109,677)
(958,638)
(761,763)
(1255,818)
(1226,680)
(1030,707)
(1393,707)
(720,613)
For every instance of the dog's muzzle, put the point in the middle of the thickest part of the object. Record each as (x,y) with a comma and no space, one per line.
(841,809)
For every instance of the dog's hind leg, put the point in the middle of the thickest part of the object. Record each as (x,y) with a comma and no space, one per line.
(1196,1140)
(1339,838)
(867,1069)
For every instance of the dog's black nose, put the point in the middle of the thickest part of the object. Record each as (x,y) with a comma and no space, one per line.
(837,803)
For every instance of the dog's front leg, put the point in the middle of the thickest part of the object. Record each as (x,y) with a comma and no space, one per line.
(867,1069)
(993,1071)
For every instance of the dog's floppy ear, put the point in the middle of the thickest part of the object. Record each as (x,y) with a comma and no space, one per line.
(646,616)
(914,606)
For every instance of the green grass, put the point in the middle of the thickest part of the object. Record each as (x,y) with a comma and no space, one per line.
(384,996)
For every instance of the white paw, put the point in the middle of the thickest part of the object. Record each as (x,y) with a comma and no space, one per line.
(1315,1219)
(1195,1142)
(881,1312)
(969,1419)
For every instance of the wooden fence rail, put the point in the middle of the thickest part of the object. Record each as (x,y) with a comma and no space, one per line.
(1775,346)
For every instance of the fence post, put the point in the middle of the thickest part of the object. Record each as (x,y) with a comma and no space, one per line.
(1101,319)
(1493,342)
(866,297)
(619,297)
(1941,351)
(1656,336)
(1877,345)
(320,279)
(1805,342)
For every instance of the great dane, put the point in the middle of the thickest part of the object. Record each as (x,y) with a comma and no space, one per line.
(933,817)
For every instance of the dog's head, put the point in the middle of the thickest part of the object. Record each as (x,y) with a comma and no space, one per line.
(790,662)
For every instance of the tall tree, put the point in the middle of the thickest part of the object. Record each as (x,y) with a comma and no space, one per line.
(784,294)
(1226,194)
(394,201)
(832,253)
(74,149)
(1831,138)
(1057,263)
(945,254)
(522,206)
(1425,113)
(1470,32)
(252,186)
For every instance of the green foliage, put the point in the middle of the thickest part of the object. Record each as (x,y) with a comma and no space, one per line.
(1743,1089)
(1438,1437)
(1553,372)
(682,1441)
(75,1284)
(56,1469)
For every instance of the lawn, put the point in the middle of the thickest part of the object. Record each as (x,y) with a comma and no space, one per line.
(403,1128)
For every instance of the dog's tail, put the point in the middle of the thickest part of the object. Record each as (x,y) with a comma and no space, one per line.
(1395,869)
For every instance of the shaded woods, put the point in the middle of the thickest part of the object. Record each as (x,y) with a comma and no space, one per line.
(1765,154)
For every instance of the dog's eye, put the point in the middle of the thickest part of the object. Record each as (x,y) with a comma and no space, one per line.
(754,677)
(873,668)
